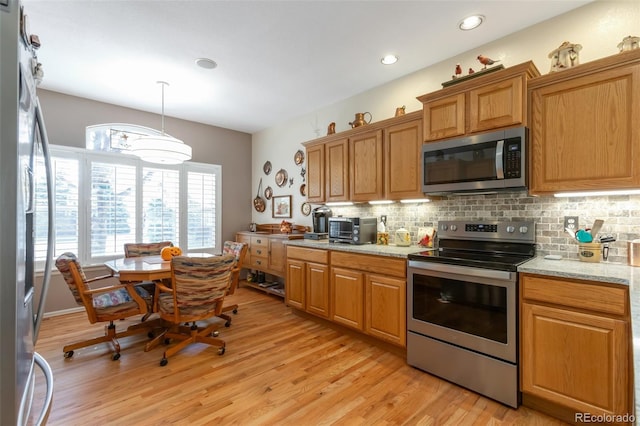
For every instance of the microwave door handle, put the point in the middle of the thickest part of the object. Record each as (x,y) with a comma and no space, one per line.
(499,163)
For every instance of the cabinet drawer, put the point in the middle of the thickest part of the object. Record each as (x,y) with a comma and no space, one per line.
(260,247)
(576,294)
(392,266)
(259,262)
(308,254)
(260,242)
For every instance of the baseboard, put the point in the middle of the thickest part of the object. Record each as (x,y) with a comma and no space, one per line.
(63,312)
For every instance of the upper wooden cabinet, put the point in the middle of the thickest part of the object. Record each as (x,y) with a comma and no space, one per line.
(584,131)
(488,102)
(373,162)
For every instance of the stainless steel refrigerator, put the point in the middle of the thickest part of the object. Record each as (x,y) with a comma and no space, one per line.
(23,151)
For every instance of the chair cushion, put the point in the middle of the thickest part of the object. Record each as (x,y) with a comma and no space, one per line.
(231,247)
(117,297)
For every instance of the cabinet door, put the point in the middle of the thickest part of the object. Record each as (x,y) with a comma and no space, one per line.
(497,105)
(277,254)
(317,289)
(315,174)
(585,134)
(385,308)
(337,170)
(403,161)
(294,290)
(575,359)
(365,166)
(242,238)
(347,295)
(444,118)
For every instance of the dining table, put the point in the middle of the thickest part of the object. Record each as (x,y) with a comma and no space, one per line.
(144,268)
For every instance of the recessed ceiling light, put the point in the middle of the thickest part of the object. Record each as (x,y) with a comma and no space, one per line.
(206,63)
(389,59)
(471,22)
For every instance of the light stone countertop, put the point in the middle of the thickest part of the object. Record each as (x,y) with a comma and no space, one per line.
(616,273)
(390,250)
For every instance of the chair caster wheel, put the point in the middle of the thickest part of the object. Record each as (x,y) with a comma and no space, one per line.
(163,362)
(227,324)
(68,354)
(150,335)
(115,356)
(221,351)
(167,341)
(215,333)
(235,311)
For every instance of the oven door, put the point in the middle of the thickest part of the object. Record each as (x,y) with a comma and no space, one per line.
(473,308)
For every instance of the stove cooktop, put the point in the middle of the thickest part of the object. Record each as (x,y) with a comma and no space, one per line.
(501,262)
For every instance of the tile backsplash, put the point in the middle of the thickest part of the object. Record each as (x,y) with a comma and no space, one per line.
(621,215)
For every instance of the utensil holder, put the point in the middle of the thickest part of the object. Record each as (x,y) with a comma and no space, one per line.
(633,252)
(590,252)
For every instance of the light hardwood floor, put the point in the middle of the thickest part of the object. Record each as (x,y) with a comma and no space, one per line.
(278,368)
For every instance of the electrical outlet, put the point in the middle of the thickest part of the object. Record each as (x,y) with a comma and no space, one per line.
(571,222)
(383,219)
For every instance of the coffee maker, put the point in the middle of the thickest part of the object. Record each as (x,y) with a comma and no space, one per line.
(320,217)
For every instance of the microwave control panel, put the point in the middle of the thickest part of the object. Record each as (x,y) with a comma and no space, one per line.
(513,159)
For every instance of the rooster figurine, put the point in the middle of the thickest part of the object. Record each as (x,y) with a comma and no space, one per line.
(486,61)
(458,71)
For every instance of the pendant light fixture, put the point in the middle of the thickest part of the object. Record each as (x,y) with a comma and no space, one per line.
(163,149)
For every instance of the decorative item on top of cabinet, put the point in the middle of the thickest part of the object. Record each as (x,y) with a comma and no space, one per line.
(629,43)
(331,129)
(360,120)
(565,56)
(400,111)
(484,60)
(566,132)
(471,74)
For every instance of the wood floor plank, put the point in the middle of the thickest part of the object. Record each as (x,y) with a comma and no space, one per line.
(279,369)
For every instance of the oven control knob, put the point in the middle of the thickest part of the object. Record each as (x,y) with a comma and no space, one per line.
(444,227)
(454,227)
(524,229)
(511,229)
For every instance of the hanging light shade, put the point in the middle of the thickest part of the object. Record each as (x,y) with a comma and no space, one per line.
(161,149)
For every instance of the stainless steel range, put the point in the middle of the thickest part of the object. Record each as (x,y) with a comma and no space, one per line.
(462,310)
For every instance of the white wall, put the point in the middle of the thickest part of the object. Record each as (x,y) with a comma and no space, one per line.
(598,27)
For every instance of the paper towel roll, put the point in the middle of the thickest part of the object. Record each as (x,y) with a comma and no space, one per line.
(633,252)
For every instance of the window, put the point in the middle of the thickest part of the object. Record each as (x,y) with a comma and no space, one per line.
(104,200)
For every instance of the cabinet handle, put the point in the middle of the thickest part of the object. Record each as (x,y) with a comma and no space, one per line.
(258,262)
(259,241)
(259,251)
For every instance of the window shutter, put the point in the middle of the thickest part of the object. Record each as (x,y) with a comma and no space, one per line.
(201,208)
(160,205)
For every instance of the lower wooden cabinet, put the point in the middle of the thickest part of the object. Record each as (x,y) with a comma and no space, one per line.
(575,345)
(347,297)
(307,286)
(385,308)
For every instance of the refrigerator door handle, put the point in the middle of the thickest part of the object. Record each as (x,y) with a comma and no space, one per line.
(48,375)
(50,225)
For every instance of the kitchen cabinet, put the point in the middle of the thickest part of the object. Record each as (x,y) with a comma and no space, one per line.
(403,160)
(575,347)
(308,280)
(266,253)
(372,162)
(488,102)
(365,166)
(584,133)
(368,293)
(315,173)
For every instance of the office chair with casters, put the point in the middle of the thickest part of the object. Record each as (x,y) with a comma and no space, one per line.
(103,304)
(239,250)
(198,288)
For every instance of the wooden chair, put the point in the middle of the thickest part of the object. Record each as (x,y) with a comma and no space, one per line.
(239,250)
(102,304)
(198,288)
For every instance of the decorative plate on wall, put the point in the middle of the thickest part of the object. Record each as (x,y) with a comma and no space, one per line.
(267,167)
(306,209)
(281,177)
(303,190)
(268,192)
(299,157)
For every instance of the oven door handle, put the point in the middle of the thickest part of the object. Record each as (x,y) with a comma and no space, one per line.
(462,270)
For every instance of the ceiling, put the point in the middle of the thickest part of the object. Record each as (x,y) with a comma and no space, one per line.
(276,59)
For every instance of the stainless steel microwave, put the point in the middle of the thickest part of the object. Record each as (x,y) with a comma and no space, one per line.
(487,162)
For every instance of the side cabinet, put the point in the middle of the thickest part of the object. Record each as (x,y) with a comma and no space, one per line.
(575,346)
(586,115)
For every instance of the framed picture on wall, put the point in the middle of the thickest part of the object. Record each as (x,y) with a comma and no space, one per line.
(281,206)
